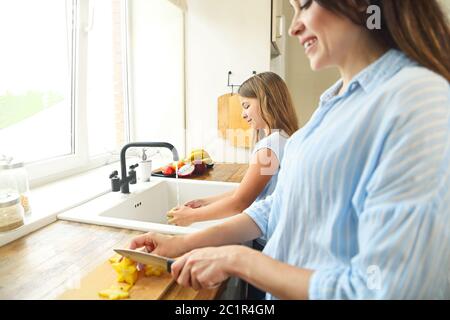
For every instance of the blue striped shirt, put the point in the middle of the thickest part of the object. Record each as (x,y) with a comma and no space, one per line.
(363,194)
(276,143)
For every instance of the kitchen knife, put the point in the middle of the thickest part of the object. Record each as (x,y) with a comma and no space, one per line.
(147,258)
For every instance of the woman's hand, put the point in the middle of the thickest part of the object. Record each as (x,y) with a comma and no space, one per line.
(205,268)
(160,244)
(181,216)
(197,203)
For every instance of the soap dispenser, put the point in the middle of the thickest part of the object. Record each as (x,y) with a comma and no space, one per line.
(145,167)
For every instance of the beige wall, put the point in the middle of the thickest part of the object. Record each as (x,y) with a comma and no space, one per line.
(446,4)
(221,36)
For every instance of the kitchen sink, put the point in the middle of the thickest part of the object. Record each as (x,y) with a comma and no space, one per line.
(145,208)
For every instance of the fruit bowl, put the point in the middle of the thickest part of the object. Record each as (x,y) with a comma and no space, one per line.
(196,164)
(159,173)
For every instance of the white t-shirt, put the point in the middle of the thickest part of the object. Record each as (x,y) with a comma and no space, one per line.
(275,142)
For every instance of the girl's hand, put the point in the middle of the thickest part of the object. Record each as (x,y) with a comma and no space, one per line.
(181,216)
(205,268)
(197,203)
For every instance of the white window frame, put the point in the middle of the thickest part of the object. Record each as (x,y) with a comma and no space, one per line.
(42,172)
(46,171)
(182,5)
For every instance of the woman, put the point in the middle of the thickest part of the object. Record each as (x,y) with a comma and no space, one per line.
(360,210)
(267,107)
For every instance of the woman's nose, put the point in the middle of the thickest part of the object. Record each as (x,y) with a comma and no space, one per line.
(244,115)
(297,26)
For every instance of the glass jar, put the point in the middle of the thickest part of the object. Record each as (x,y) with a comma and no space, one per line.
(11,211)
(14,177)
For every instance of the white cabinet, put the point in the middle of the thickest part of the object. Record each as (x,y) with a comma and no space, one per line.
(277,27)
(278,37)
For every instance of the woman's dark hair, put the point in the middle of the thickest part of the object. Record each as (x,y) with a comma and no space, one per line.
(419,28)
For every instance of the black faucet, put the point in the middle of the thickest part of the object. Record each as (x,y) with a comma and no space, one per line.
(123,183)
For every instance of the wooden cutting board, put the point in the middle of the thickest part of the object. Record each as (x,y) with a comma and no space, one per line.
(146,288)
(231,125)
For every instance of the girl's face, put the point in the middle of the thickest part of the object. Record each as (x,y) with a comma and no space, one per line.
(326,37)
(251,112)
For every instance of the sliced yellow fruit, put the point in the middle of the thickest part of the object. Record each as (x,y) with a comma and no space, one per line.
(127,275)
(128,262)
(151,270)
(122,286)
(114,294)
(115,258)
(126,271)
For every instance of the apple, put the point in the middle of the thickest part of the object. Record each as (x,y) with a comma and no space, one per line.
(168,171)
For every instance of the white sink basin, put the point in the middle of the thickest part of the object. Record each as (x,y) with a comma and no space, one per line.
(146,206)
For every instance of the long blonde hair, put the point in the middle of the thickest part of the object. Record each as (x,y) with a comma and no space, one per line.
(275,102)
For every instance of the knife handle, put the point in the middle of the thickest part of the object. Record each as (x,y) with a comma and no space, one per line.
(169,265)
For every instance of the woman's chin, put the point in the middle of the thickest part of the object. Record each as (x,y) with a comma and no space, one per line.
(317,64)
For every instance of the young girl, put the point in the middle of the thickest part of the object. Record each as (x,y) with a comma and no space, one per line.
(268,108)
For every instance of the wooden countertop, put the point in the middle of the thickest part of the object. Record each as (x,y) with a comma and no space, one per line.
(45,263)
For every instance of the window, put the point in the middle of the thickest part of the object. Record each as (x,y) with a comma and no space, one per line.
(105,77)
(35,79)
(157,73)
(73,70)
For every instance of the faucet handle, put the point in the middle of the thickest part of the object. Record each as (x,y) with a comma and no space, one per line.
(115,181)
(132,174)
(114,174)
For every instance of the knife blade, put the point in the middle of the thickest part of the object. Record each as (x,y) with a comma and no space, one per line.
(147,258)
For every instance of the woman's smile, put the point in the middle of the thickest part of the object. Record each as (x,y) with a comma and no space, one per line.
(309,43)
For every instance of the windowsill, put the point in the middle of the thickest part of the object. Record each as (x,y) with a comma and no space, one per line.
(49,200)
(54,198)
